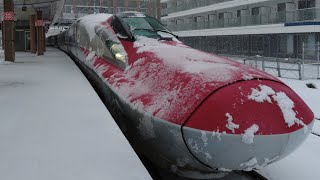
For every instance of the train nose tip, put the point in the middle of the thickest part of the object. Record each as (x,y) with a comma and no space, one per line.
(247,125)
(238,152)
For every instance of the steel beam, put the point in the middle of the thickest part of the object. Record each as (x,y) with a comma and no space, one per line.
(8,28)
(33,35)
(40,31)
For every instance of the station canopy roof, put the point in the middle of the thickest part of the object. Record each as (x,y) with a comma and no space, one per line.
(51,9)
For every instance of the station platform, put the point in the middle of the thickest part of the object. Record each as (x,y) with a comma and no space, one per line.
(53,126)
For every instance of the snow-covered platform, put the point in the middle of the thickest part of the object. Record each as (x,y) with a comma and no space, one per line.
(54,126)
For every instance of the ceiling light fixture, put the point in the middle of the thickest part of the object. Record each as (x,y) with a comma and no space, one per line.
(24,7)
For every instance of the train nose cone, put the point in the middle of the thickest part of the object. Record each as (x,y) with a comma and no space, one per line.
(247,125)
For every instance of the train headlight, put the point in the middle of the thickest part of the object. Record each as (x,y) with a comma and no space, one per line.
(117,52)
(120,57)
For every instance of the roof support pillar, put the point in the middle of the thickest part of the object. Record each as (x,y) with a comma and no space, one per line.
(44,39)
(126,4)
(40,30)
(33,34)
(8,28)
(2,32)
(138,6)
(158,9)
(115,9)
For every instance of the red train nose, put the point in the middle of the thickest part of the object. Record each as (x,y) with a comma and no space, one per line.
(247,125)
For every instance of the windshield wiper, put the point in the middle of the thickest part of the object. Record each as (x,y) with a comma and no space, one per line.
(165,31)
(156,30)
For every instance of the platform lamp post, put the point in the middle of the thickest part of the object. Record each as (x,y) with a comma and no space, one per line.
(8,28)
(39,23)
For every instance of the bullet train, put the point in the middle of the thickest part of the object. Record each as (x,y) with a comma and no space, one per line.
(192,112)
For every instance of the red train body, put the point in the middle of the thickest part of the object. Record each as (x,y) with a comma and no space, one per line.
(185,109)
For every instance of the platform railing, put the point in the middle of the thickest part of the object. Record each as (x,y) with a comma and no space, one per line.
(306,67)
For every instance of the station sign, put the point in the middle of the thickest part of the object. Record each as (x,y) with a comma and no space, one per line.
(8,16)
(40,23)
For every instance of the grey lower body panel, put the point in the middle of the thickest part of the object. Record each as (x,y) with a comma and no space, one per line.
(228,151)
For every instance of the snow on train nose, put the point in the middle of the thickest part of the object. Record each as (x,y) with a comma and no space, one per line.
(247,125)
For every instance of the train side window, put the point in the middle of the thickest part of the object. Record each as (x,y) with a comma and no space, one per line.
(118,27)
(84,37)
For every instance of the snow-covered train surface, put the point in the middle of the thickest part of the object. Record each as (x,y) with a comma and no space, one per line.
(192,112)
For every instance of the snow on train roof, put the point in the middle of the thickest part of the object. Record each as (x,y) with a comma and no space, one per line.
(90,21)
(190,60)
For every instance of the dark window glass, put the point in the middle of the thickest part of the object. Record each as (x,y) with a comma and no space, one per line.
(238,13)
(281,7)
(68,9)
(118,28)
(211,17)
(282,42)
(255,11)
(303,4)
(221,15)
(257,44)
(145,26)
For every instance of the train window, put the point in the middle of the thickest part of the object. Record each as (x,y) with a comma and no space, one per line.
(145,26)
(118,27)
(84,37)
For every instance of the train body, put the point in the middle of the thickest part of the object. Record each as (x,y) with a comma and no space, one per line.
(190,111)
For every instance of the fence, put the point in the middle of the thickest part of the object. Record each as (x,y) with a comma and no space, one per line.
(308,67)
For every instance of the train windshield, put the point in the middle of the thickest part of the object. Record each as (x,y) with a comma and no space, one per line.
(146,26)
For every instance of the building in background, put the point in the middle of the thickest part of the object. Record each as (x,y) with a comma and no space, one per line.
(74,9)
(274,28)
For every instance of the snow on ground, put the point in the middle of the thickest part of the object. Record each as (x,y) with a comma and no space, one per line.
(54,126)
(304,162)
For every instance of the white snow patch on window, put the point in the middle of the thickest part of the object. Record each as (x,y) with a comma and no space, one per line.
(249,165)
(248,135)
(208,156)
(193,144)
(90,55)
(217,133)
(224,169)
(247,77)
(286,105)
(262,95)
(146,128)
(231,126)
(181,162)
(266,162)
(204,138)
